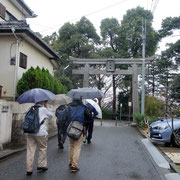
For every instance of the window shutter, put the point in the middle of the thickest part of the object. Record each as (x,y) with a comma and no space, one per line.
(23,61)
(2,11)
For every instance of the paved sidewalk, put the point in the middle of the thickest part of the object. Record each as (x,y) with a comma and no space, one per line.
(172,154)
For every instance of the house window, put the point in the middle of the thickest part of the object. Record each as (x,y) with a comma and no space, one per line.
(2,11)
(23,61)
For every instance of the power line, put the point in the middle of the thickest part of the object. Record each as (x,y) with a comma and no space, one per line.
(94,12)
(154,4)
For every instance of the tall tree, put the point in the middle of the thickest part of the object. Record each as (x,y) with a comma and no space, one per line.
(130,33)
(166,73)
(168,26)
(109,29)
(77,40)
(125,38)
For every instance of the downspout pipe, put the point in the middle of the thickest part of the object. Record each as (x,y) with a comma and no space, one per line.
(17,62)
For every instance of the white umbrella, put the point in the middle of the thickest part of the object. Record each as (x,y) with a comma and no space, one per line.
(60,99)
(95,105)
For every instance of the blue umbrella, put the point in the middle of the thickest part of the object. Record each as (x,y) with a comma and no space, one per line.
(35,95)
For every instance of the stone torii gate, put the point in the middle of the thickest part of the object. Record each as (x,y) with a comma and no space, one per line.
(110,64)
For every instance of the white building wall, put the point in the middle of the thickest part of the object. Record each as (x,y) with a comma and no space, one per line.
(12,9)
(7,50)
(34,58)
(7,72)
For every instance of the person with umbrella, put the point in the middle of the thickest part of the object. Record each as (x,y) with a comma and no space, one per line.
(63,120)
(89,122)
(77,113)
(39,139)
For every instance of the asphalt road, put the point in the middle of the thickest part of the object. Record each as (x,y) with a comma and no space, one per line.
(115,153)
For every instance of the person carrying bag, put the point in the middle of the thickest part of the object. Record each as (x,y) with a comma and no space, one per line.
(75,132)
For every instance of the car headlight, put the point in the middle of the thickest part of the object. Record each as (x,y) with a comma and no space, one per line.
(160,127)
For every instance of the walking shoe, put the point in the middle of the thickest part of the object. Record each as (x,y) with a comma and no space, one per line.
(42,168)
(70,165)
(89,141)
(61,145)
(74,169)
(28,173)
(84,140)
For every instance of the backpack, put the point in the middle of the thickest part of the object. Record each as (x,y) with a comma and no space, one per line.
(31,122)
(75,130)
(88,113)
(62,114)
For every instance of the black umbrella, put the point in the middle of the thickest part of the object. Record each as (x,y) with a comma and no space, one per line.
(85,93)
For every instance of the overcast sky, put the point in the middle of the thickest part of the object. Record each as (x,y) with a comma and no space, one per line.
(54,13)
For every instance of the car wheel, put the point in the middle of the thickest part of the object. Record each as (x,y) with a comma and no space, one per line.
(176,140)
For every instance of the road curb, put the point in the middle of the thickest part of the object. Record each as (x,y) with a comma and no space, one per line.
(11,152)
(171,164)
(7,153)
(174,167)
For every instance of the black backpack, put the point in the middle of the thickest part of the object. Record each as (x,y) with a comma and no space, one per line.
(31,122)
(88,113)
(62,114)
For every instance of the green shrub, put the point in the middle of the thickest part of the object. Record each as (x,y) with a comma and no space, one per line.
(106,113)
(151,119)
(140,119)
(37,78)
(154,107)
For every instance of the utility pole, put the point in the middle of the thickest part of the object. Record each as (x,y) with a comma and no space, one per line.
(143,64)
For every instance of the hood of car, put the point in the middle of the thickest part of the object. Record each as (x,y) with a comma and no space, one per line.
(164,122)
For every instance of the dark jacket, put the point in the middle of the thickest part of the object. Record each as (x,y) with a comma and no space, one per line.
(93,110)
(77,112)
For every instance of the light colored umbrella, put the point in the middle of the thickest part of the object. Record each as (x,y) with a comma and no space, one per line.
(60,99)
(35,95)
(85,93)
(95,105)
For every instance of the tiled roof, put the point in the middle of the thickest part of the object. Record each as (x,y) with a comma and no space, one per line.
(22,4)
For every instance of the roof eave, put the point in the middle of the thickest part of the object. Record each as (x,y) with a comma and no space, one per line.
(28,12)
(29,33)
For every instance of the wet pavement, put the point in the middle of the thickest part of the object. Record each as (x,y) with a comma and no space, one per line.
(116,152)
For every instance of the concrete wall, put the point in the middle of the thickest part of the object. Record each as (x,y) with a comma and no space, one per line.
(10,122)
(5,122)
(13,10)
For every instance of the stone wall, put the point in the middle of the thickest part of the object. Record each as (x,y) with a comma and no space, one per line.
(6,109)
(12,123)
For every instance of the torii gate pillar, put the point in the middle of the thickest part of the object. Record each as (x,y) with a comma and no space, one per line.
(86,76)
(135,90)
